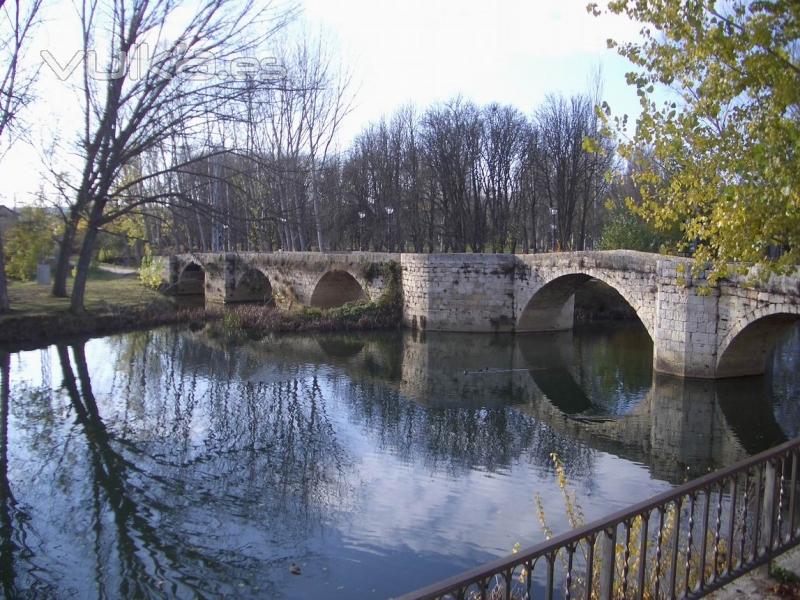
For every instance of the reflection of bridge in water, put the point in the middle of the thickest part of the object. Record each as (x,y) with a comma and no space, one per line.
(678,427)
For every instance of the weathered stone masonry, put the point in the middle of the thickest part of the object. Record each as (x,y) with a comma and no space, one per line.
(697,331)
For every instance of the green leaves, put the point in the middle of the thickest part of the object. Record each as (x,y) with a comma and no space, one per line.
(726,160)
(29,242)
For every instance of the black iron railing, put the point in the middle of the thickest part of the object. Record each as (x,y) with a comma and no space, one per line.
(683,543)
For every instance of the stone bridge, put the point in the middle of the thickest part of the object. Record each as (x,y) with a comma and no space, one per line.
(697,331)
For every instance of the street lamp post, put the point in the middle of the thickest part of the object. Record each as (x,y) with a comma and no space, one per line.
(553,215)
(361,215)
(389,211)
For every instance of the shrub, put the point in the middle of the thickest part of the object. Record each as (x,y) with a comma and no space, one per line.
(150,272)
(28,243)
(625,230)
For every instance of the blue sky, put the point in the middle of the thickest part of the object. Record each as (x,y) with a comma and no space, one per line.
(419,51)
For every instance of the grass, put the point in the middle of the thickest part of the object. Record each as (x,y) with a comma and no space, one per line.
(115,302)
(105,292)
(235,322)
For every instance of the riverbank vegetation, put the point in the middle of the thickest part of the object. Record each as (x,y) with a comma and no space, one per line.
(122,301)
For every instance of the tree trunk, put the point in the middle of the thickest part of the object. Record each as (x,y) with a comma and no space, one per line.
(82,270)
(59,289)
(4,304)
(315,207)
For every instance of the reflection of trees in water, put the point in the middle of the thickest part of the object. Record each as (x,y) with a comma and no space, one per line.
(177,477)
(458,438)
(262,455)
(135,542)
(451,437)
(20,573)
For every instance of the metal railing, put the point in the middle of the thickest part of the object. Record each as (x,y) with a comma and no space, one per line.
(683,543)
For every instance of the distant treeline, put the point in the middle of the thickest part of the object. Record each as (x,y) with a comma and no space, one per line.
(454,177)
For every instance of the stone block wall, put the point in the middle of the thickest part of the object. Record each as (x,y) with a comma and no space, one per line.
(686,321)
(459,292)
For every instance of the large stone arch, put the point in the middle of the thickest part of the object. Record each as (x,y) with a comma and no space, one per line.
(744,350)
(551,305)
(191,279)
(252,285)
(337,287)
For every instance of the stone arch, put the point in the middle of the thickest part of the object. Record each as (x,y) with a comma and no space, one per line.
(336,288)
(252,286)
(745,348)
(551,307)
(192,280)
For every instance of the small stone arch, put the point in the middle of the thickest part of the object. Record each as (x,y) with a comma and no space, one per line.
(192,280)
(551,307)
(745,349)
(336,288)
(252,286)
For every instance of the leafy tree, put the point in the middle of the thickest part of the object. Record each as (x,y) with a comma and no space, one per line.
(730,142)
(625,229)
(29,242)
(122,240)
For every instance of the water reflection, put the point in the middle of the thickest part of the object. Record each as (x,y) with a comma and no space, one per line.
(169,464)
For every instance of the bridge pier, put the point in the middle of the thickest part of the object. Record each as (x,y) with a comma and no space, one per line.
(685,342)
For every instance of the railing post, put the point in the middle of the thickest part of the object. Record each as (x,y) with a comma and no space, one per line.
(768,513)
(608,557)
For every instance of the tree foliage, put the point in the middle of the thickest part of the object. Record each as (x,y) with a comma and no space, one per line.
(729,143)
(29,242)
(626,230)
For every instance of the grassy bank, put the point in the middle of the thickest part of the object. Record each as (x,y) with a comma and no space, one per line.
(117,302)
(114,302)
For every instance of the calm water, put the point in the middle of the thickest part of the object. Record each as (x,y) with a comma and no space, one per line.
(168,464)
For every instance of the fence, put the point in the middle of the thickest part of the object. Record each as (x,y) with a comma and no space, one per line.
(683,543)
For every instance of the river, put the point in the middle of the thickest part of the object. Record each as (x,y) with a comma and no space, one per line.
(168,463)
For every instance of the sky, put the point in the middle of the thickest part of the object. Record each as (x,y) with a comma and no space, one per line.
(416,51)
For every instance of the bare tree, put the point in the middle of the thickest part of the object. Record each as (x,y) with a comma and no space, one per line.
(325,104)
(502,146)
(127,112)
(17,20)
(452,135)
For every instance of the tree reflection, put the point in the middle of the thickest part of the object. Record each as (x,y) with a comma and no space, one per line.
(19,574)
(138,548)
(7,547)
(456,438)
(267,464)
(434,426)
(189,469)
